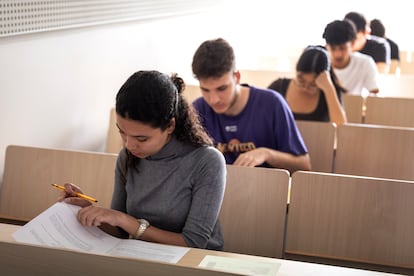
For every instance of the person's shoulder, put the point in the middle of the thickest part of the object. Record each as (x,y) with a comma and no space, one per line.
(360,57)
(200,105)
(364,63)
(392,42)
(279,84)
(122,157)
(265,97)
(198,101)
(377,39)
(264,93)
(209,154)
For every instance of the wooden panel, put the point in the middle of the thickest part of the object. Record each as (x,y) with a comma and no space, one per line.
(406,62)
(319,138)
(29,172)
(390,111)
(191,92)
(254,210)
(114,142)
(394,67)
(351,218)
(262,78)
(21,260)
(34,260)
(372,150)
(354,107)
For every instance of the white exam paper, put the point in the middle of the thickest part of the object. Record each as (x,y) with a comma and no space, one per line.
(58,227)
(240,266)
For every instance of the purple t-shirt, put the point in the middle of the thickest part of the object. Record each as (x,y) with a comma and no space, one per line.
(266,121)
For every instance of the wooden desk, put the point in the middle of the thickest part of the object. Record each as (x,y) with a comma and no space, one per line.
(21,259)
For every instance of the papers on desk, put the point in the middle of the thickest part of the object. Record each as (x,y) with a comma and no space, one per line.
(240,266)
(59,227)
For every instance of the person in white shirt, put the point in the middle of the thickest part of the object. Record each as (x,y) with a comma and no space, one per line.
(357,72)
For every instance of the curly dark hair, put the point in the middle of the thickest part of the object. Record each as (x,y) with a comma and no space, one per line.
(154,98)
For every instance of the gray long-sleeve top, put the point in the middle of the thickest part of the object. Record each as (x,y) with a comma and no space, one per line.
(179,189)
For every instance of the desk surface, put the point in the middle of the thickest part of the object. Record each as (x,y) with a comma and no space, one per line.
(195,256)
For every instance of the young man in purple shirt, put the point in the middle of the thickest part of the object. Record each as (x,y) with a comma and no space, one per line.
(250,126)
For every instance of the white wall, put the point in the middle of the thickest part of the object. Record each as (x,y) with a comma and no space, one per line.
(56,88)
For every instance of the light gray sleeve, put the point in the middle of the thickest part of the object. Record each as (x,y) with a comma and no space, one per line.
(208,191)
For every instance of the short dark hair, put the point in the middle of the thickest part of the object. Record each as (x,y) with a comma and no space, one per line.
(213,58)
(377,28)
(358,19)
(339,32)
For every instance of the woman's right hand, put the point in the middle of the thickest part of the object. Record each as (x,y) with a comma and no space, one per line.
(324,81)
(69,195)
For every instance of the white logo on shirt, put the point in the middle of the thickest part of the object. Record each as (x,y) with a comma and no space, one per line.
(231,128)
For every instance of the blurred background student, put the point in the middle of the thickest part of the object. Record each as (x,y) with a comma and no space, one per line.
(378,29)
(315,93)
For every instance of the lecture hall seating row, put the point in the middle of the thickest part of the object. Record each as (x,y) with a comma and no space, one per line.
(287,63)
(389,109)
(363,220)
(360,149)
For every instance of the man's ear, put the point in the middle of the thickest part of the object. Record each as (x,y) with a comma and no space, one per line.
(237,76)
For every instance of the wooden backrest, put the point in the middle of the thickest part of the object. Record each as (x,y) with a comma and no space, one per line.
(390,111)
(191,92)
(254,210)
(354,107)
(29,172)
(319,138)
(373,150)
(394,67)
(114,142)
(351,218)
(406,62)
(262,78)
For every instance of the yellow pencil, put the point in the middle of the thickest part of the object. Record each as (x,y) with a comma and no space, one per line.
(77,194)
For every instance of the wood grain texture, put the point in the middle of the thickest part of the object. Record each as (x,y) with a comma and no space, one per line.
(29,172)
(352,218)
(254,210)
(377,151)
(320,139)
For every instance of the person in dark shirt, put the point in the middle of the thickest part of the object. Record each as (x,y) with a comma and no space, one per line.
(378,29)
(315,93)
(376,47)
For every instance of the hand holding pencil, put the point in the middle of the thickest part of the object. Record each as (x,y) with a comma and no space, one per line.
(73,195)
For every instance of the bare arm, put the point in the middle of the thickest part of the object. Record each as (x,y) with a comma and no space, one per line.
(336,112)
(274,158)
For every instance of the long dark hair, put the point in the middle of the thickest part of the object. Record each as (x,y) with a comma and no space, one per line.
(315,59)
(154,98)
